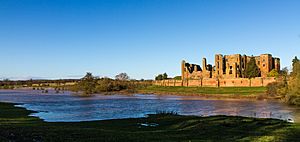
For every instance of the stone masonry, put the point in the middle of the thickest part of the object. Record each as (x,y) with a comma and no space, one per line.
(228,67)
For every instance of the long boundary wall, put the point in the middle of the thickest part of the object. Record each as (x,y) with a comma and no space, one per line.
(209,82)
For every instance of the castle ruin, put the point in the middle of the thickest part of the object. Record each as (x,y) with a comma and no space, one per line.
(229,67)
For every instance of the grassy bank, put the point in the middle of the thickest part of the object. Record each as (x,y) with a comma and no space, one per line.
(234,92)
(15,125)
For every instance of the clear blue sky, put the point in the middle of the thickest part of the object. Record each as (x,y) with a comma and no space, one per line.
(66,38)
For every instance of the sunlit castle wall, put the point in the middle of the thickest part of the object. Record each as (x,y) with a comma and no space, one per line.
(210,82)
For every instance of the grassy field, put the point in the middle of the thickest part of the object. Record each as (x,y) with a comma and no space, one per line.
(208,91)
(15,125)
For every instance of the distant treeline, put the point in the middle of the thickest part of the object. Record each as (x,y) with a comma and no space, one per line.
(87,85)
(10,84)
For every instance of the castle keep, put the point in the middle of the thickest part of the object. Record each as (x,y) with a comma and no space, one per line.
(229,67)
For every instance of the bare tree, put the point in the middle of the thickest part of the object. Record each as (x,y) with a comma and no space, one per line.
(122,76)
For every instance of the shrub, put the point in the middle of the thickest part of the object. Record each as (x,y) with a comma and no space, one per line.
(166,113)
(5,87)
(277,89)
(177,77)
(273,73)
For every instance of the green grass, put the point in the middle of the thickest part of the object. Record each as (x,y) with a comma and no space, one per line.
(238,91)
(15,125)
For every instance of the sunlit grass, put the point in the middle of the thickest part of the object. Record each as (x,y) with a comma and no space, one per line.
(205,90)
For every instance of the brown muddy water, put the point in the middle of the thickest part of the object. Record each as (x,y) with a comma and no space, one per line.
(64,107)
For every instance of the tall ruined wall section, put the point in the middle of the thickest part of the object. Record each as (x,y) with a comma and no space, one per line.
(210,82)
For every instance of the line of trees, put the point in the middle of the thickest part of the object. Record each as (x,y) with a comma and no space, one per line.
(90,84)
(288,88)
(161,76)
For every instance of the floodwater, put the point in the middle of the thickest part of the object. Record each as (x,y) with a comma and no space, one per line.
(64,107)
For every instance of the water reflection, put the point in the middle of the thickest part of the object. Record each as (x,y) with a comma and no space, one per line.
(64,107)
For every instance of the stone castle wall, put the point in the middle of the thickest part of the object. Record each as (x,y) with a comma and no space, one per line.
(209,82)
